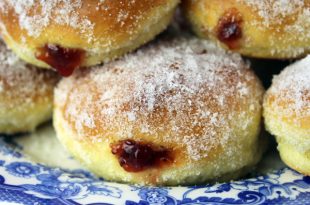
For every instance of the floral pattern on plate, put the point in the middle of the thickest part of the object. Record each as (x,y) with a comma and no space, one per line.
(25,182)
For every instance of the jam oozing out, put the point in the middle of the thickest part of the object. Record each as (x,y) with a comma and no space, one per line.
(229,28)
(64,60)
(134,156)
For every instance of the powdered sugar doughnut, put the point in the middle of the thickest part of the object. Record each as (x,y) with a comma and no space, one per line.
(287,114)
(66,34)
(256,28)
(26,94)
(181,112)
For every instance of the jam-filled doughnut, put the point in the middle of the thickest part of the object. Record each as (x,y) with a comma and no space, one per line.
(183,112)
(66,34)
(287,114)
(26,94)
(256,28)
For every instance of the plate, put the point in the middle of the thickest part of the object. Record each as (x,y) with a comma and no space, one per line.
(32,172)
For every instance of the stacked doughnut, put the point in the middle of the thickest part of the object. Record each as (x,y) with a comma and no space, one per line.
(67,34)
(268,29)
(255,28)
(287,114)
(26,94)
(177,112)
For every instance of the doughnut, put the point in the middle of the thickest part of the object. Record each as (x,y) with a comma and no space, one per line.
(26,94)
(255,28)
(67,34)
(287,114)
(175,112)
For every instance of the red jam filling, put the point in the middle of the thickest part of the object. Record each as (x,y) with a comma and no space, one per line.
(229,29)
(64,60)
(134,156)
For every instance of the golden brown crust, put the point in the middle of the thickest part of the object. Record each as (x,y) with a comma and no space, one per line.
(268,29)
(26,93)
(162,113)
(101,28)
(283,106)
(289,96)
(187,96)
(106,17)
(287,114)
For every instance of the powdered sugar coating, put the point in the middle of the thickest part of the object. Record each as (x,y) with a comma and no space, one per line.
(289,21)
(63,12)
(187,94)
(275,11)
(104,30)
(279,12)
(266,28)
(291,89)
(35,16)
(20,82)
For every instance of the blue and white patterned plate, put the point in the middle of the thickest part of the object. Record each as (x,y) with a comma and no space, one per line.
(23,181)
